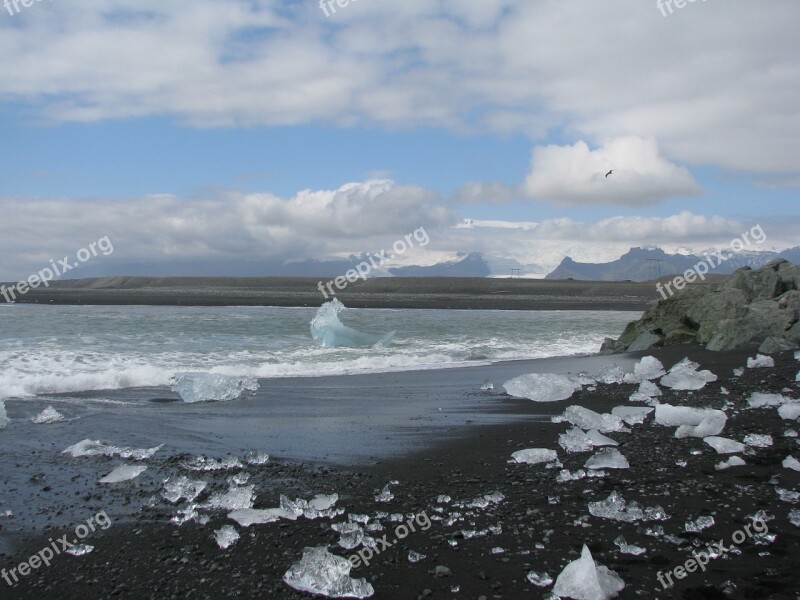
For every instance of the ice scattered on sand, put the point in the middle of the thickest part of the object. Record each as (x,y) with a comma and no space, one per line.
(760,361)
(607,458)
(226,536)
(386,495)
(626,548)
(539,579)
(206,387)
(648,368)
(790,462)
(646,393)
(47,416)
(760,400)
(3,415)
(254,457)
(236,498)
(632,415)
(487,386)
(535,456)
(124,473)
(541,387)
(616,508)
(182,488)
(757,440)
(589,419)
(691,422)
(794,517)
(789,411)
(698,525)
(685,376)
(583,579)
(79,549)
(724,445)
(733,461)
(320,506)
(415,557)
(320,572)
(201,463)
(97,448)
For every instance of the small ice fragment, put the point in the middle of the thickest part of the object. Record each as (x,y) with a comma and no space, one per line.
(564,475)
(757,440)
(498,550)
(794,517)
(761,400)
(201,463)
(691,422)
(351,534)
(124,473)
(97,448)
(611,374)
(255,457)
(182,488)
(79,549)
(685,376)
(535,456)
(323,501)
(385,495)
(698,524)
(760,361)
(789,411)
(626,548)
(646,392)
(588,419)
(616,508)
(788,495)
(205,387)
(415,557)
(790,433)
(648,368)
(443,499)
(236,498)
(487,386)
(541,387)
(48,415)
(733,461)
(226,536)
(790,462)
(575,440)
(583,579)
(607,458)
(724,445)
(239,478)
(738,372)
(632,415)
(539,579)
(320,572)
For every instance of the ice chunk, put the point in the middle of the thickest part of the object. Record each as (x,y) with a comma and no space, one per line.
(698,524)
(646,392)
(320,572)
(760,400)
(48,415)
(692,422)
(182,488)
(487,386)
(97,448)
(255,457)
(626,548)
(124,473)
(611,374)
(564,475)
(607,458)
(330,332)
(733,461)
(415,557)
(539,579)
(207,387)
(582,579)
(789,411)
(757,440)
(253,516)
(386,495)
(541,387)
(201,463)
(760,361)
(616,508)
(79,549)
(632,415)
(794,517)
(535,456)
(236,498)
(443,499)
(575,440)
(790,462)
(226,536)
(738,372)
(648,368)
(351,534)
(724,445)
(589,419)
(685,376)
(323,501)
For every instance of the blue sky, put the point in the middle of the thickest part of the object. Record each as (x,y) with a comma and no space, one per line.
(306,136)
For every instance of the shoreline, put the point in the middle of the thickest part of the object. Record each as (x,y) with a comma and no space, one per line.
(147,557)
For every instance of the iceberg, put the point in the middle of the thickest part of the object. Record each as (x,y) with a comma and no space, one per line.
(47,416)
(535,456)
(182,488)
(691,422)
(760,361)
(583,579)
(685,376)
(320,572)
(206,387)
(589,419)
(330,332)
(226,536)
(124,473)
(724,445)
(632,415)
(607,458)
(541,387)
(97,448)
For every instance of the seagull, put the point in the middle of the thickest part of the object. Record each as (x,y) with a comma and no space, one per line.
(609,173)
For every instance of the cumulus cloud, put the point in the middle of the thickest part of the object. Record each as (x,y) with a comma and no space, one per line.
(577,175)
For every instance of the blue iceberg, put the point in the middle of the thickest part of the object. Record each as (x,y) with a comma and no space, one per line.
(329,331)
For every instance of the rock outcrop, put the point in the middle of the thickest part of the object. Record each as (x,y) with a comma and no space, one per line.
(749,309)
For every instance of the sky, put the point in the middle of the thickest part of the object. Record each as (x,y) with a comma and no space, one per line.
(203,136)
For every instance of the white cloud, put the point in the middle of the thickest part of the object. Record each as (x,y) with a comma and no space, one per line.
(577,175)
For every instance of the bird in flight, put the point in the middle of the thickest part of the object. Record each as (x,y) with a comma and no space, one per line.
(609,173)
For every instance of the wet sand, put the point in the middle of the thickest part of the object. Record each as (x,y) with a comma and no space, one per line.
(542,524)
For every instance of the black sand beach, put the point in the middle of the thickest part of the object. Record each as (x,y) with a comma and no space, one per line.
(540,525)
